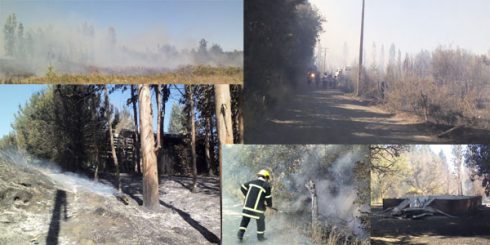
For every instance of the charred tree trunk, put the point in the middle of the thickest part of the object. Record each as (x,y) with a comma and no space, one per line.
(159,124)
(314,206)
(207,145)
(212,147)
(111,137)
(94,137)
(159,116)
(136,130)
(223,116)
(237,102)
(240,122)
(192,130)
(150,174)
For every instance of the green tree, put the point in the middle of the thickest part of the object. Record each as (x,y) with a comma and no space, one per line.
(478,158)
(9,34)
(177,120)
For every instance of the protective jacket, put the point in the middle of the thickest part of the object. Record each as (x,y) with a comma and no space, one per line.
(257,197)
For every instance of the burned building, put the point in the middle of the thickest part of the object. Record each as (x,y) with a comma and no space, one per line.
(422,206)
(174,157)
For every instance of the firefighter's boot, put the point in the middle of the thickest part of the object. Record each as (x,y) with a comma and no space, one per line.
(240,234)
(261,237)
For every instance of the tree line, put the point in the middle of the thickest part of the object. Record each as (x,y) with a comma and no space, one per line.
(399,171)
(75,126)
(85,48)
(446,86)
(280,37)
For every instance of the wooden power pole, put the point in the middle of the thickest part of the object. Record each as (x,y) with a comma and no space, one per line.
(360,51)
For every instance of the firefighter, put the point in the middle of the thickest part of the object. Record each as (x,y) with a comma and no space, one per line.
(257,196)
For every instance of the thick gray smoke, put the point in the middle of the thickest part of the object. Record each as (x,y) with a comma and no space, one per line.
(331,167)
(85,48)
(335,186)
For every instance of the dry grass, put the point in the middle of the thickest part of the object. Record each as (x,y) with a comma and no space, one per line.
(186,75)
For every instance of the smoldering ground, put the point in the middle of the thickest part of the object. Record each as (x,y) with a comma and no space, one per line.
(337,171)
(39,203)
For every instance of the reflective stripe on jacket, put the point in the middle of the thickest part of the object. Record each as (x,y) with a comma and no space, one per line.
(257,196)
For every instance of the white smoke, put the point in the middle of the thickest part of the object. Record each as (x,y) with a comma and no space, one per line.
(79,48)
(335,186)
(66,180)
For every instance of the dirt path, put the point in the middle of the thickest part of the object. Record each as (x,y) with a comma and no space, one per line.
(317,115)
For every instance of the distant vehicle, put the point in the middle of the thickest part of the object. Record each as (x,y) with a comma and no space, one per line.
(313,76)
(310,76)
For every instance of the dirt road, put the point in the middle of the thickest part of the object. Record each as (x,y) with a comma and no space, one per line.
(318,115)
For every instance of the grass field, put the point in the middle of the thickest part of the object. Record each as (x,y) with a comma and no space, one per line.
(185,75)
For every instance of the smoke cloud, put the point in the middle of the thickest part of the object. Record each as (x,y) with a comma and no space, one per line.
(331,167)
(82,47)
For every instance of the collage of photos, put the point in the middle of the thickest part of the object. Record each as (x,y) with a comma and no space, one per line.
(304,122)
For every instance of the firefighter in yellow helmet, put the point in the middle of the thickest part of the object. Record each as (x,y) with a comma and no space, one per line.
(257,196)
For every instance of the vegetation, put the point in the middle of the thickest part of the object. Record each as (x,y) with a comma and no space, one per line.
(280,37)
(446,86)
(399,171)
(478,158)
(77,128)
(86,55)
(341,176)
(185,75)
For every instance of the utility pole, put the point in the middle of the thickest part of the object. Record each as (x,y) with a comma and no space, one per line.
(360,51)
(325,61)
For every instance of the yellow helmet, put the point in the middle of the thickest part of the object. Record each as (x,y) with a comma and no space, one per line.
(264,173)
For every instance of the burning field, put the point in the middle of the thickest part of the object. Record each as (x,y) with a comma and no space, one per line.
(40,204)
(320,193)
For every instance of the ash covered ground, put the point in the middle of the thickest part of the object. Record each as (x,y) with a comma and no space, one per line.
(473,229)
(40,205)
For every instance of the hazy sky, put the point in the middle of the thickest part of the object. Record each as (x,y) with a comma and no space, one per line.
(184,22)
(13,96)
(411,25)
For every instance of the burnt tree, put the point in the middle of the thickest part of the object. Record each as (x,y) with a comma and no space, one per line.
(223,116)
(134,101)
(192,129)
(314,206)
(111,136)
(147,140)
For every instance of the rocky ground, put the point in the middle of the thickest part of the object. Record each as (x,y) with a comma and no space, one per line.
(39,205)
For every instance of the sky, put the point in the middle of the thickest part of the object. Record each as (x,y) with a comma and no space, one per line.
(411,25)
(13,96)
(183,22)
